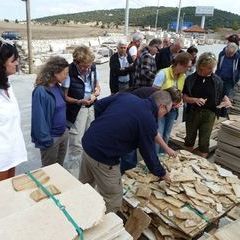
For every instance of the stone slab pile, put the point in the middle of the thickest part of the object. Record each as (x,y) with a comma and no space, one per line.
(236,100)
(27,213)
(228,148)
(199,194)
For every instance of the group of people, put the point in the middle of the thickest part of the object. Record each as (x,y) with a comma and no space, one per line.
(62,109)
(101,137)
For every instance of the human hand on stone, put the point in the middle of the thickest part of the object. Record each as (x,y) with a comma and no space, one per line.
(171,152)
(166,177)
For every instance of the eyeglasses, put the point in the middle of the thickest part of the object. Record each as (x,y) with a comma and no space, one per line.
(158,49)
(167,108)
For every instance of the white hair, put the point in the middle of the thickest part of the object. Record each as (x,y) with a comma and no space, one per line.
(231,47)
(122,42)
(137,36)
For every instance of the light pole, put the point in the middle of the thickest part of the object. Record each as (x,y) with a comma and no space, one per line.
(182,21)
(178,16)
(29,36)
(126,18)
(156,20)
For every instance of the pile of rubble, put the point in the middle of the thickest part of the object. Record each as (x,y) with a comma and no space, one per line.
(199,194)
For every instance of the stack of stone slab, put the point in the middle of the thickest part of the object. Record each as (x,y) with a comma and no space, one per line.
(199,194)
(236,100)
(27,213)
(228,149)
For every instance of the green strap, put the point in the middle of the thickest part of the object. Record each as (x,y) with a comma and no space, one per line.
(201,215)
(59,205)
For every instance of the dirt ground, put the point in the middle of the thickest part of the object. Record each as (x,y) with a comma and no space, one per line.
(58,31)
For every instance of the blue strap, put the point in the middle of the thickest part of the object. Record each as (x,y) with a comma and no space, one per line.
(59,205)
(201,215)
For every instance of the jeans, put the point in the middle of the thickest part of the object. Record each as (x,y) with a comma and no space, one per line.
(165,125)
(228,87)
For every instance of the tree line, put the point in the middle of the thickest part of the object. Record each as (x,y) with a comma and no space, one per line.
(146,17)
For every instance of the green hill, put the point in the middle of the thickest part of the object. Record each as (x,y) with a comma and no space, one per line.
(146,16)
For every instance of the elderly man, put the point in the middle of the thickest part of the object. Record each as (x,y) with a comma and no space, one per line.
(134,45)
(228,67)
(123,123)
(165,55)
(121,68)
(145,69)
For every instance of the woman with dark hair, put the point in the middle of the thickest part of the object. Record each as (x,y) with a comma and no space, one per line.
(12,147)
(49,132)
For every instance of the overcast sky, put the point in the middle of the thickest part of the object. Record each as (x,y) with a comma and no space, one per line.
(15,9)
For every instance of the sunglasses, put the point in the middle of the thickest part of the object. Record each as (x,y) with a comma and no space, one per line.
(6,43)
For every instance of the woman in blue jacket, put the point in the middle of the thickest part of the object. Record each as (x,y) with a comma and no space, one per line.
(49,132)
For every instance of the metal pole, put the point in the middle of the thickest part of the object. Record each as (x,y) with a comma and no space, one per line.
(126,18)
(182,21)
(203,21)
(156,20)
(178,16)
(29,36)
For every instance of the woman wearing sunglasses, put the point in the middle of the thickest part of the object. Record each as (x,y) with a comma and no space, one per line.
(12,147)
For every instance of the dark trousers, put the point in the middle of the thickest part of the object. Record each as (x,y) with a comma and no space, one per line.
(199,121)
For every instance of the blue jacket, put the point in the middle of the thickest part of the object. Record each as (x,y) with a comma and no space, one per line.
(43,107)
(123,123)
(235,67)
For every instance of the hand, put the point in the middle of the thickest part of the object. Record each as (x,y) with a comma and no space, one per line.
(175,106)
(200,101)
(226,103)
(171,152)
(166,177)
(85,102)
(97,91)
(93,98)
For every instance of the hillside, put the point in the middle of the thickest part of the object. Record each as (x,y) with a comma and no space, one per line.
(146,16)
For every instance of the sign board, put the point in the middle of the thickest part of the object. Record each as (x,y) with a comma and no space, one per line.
(204,11)
(182,25)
